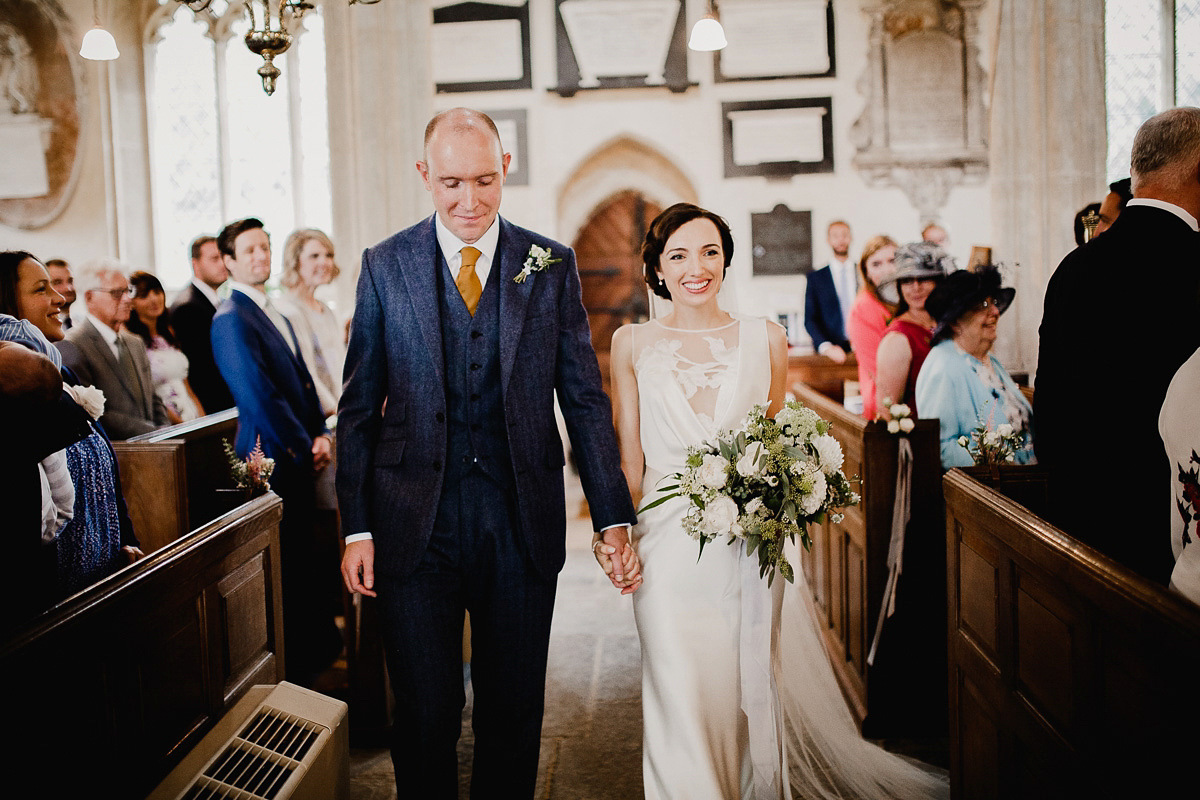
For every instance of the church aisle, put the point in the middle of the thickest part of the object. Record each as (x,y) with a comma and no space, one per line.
(592,732)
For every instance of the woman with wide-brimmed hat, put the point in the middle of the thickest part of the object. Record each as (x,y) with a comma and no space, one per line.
(961,382)
(905,344)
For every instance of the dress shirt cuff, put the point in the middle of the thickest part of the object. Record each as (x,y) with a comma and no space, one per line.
(824,347)
(365,536)
(618,525)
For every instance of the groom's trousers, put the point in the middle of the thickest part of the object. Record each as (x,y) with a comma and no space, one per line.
(476,562)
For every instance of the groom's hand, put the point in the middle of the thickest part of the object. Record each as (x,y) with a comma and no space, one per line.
(358,567)
(618,559)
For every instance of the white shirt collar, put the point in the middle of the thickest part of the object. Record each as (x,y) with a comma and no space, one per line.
(108,333)
(1165,206)
(257,295)
(207,291)
(486,245)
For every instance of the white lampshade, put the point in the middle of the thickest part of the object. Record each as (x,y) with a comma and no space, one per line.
(99,45)
(707,35)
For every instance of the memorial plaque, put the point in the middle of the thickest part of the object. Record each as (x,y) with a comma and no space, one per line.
(612,44)
(497,37)
(778,137)
(782,242)
(776,39)
(926,109)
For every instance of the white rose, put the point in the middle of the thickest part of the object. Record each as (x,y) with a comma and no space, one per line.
(719,515)
(991,438)
(963,441)
(829,452)
(899,410)
(89,398)
(893,426)
(713,471)
(906,424)
(1004,429)
(752,461)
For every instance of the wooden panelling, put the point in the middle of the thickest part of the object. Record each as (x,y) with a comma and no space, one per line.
(847,570)
(107,690)
(1088,686)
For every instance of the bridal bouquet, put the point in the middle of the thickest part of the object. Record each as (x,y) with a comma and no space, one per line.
(763,484)
(254,472)
(989,447)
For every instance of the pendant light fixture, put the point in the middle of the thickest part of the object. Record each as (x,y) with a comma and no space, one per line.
(98,44)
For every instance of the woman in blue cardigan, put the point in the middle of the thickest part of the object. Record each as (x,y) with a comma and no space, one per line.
(961,383)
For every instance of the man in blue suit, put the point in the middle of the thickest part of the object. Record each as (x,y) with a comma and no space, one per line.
(829,297)
(259,357)
(450,465)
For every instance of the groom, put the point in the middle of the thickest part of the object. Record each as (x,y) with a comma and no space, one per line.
(450,464)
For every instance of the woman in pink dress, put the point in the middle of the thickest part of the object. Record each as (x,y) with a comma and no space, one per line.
(902,351)
(870,314)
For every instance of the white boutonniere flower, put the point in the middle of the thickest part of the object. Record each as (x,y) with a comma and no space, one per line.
(538,260)
(89,398)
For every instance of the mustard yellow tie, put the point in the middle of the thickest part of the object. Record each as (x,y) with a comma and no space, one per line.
(467,281)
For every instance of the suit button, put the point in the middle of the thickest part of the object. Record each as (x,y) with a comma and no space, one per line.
(437,465)
(474,367)
(476,334)
(466,459)
(474,397)
(440,417)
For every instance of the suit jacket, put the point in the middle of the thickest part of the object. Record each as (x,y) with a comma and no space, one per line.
(822,311)
(391,459)
(191,318)
(128,410)
(273,390)
(1120,318)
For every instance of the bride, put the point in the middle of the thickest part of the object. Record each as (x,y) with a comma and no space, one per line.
(738,698)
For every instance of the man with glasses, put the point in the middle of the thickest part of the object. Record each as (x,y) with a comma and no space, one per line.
(113,360)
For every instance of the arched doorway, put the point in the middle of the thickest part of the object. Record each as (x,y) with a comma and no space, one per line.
(608,251)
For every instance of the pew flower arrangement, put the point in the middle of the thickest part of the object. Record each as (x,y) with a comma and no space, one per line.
(253,473)
(992,447)
(901,417)
(763,484)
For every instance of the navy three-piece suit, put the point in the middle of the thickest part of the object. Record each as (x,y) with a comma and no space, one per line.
(450,456)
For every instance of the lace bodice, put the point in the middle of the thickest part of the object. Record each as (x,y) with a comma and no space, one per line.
(694,384)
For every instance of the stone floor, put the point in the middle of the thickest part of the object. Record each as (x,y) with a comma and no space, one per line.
(592,733)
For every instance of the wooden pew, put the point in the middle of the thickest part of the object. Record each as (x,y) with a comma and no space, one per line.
(904,692)
(822,374)
(1071,676)
(170,477)
(109,689)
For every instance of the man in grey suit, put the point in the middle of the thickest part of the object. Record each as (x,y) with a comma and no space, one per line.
(113,360)
(450,465)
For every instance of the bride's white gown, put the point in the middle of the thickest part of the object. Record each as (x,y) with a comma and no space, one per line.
(738,698)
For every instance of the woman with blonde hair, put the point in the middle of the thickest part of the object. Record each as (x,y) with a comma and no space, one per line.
(871,313)
(307,265)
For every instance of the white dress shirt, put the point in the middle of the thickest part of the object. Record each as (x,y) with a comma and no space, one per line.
(209,293)
(1165,206)
(109,335)
(275,315)
(452,248)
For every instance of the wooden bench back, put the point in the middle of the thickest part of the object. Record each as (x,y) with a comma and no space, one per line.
(1070,675)
(171,477)
(106,691)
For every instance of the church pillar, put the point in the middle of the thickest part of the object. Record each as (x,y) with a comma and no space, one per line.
(380,93)
(1048,148)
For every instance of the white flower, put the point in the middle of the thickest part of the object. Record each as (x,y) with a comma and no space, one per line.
(752,461)
(812,502)
(712,471)
(89,398)
(829,452)
(963,441)
(899,410)
(893,426)
(906,424)
(755,505)
(538,260)
(1004,429)
(991,438)
(772,480)
(719,515)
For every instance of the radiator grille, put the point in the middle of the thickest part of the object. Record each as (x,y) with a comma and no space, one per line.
(258,761)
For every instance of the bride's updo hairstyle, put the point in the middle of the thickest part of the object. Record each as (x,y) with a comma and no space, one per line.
(666,224)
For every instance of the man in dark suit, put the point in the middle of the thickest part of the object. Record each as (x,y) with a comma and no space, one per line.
(191,317)
(450,465)
(63,282)
(104,355)
(259,357)
(1121,315)
(829,295)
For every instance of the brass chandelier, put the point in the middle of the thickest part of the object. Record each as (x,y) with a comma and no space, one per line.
(271,26)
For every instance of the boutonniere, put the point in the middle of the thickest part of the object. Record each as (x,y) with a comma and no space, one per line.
(538,260)
(89,398)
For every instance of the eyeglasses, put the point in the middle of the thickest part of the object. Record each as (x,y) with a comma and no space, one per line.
(986,303)
(117,294)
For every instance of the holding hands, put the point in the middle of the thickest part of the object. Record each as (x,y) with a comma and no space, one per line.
(618,559)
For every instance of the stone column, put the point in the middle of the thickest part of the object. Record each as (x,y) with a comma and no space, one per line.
(380,93)
(1048,148)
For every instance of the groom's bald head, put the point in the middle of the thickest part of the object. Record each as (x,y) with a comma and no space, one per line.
(461,120)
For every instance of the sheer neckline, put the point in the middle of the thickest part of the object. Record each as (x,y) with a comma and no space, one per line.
(731,322)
